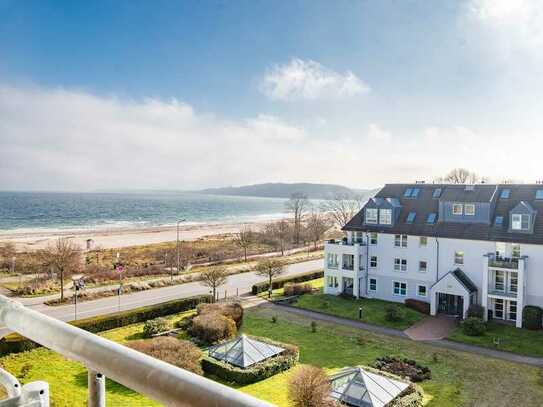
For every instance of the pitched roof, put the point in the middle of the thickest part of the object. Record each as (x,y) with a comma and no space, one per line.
(465,280)
(425,204)
(355,386)
(244,351)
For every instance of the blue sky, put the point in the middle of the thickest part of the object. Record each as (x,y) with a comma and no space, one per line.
(296,91)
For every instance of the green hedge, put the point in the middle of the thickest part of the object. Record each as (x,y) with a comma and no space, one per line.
(255,373)
(280,282)
(531,317)
(14,343)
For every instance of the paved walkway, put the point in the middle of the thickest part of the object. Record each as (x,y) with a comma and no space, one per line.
(441,343)
(431,328)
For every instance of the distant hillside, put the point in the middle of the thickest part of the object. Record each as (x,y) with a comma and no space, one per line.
(282,190)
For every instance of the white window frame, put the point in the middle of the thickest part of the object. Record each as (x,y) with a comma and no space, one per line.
(332,264)
(458,255)
(518,219)
(457,209)
(332,282)
(399,288)
(374,238)
(423,239)
(374,218)
(400,265)
(385,216)
(471,211)
(372,262)
(426,268)
(425,290)
(397,240)
(515,251)
(370,284)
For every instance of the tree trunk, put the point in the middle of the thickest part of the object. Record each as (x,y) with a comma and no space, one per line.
(61,272)
(214,294)
(270,288)
(245,253)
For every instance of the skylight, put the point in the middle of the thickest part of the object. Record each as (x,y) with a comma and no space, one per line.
(431,218)
(436,193)
(411,193)
(411,217)
(498,221)
(505,194)
(539,194)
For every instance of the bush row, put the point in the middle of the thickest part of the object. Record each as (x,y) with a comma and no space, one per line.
(531,317)
(14,343)
(257,372)
(280,282)
(417,305)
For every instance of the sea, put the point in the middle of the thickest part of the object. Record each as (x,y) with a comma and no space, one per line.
(22,212)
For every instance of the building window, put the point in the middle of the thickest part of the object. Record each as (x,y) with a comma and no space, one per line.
(371,215)
(333,261)
(348,262)
(505,193)
(400,240)
(400,265)
(385,216)
(422,290)
(431,219)
(469,209)
(411,217)
(459,258)
(332,282)
(399,288)
(423,241)
(539,194)
(499,281)
(358,237)
(423,266)
(513,282)
(498,308)
(520,221)
(457,209)
(512,314)
(515,251)
(373,261)
(436,193)
(373,238)
(373,284)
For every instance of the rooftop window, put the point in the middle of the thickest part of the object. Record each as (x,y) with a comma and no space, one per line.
(498,221)
(505,194)
(539,194)
(431,218)
(411,217)
(371,215)
(436,193)
(520,221)
(411,193)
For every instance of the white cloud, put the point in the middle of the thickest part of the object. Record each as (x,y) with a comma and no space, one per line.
(310,80)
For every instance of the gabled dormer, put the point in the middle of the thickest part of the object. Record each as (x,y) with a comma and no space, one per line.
(467,203)
(382,211)
(522,218)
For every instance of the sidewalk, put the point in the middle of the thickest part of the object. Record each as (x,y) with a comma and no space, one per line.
(442,343)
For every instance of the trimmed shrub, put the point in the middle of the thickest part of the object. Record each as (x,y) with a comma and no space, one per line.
(473,326)
(155,326)
(476,311)
(233,310)
(212,328)
(403,368)
(531,317)
(183,354)
(417,305)
(280,282)
(297,289)
(256,372)
(14,343)
(410,397)
(310,386)
(394,313)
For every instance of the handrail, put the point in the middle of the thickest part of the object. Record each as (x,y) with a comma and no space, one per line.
(154,378)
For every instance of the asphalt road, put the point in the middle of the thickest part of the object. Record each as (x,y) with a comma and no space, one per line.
(239,283)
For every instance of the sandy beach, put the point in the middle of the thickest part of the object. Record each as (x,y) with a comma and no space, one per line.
(117,238)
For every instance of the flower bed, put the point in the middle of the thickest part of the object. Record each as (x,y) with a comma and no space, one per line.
(403,368)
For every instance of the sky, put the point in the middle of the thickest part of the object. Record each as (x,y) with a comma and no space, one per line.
(187,95)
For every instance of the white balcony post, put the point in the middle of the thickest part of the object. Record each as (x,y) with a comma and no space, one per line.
(96,389)
(484,288)
(521,287)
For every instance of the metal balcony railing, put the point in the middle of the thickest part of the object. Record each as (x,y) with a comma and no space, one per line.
(503,262)
(165,383)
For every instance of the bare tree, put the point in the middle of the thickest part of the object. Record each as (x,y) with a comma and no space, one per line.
(213,278)
(270,268)
(460,176)
(297,205)
(317,224)
(342,207)
(7,254)
(279,233)
(310,386)
(64,256)
(245,238)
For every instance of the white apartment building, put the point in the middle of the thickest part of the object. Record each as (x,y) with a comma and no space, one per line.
(448,245)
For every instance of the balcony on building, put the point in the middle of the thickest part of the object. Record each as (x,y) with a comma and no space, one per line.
(496,261)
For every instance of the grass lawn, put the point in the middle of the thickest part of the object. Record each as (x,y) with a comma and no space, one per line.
(373,311)
(517,340)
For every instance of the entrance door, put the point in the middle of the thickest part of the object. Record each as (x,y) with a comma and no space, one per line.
(348,284)
(450,304)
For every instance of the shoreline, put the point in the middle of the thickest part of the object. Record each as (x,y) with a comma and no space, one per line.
(125,237)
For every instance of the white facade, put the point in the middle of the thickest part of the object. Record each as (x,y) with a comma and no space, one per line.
(394,268)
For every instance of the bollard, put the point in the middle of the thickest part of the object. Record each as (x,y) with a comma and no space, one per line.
(360,313)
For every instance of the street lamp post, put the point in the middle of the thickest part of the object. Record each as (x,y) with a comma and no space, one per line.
(119,267)
(177,249)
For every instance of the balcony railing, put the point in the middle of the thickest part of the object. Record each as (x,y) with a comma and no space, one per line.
(504,293)
(345,242)
(503,262)
(165,383)
(348,267)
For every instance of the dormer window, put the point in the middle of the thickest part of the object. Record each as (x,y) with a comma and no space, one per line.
(469,209)
(505,194)
(371,215)
(457,209)
(520,221)
(539,194)
(385,216)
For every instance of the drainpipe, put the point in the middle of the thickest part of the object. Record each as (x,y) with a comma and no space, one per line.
(437,259)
